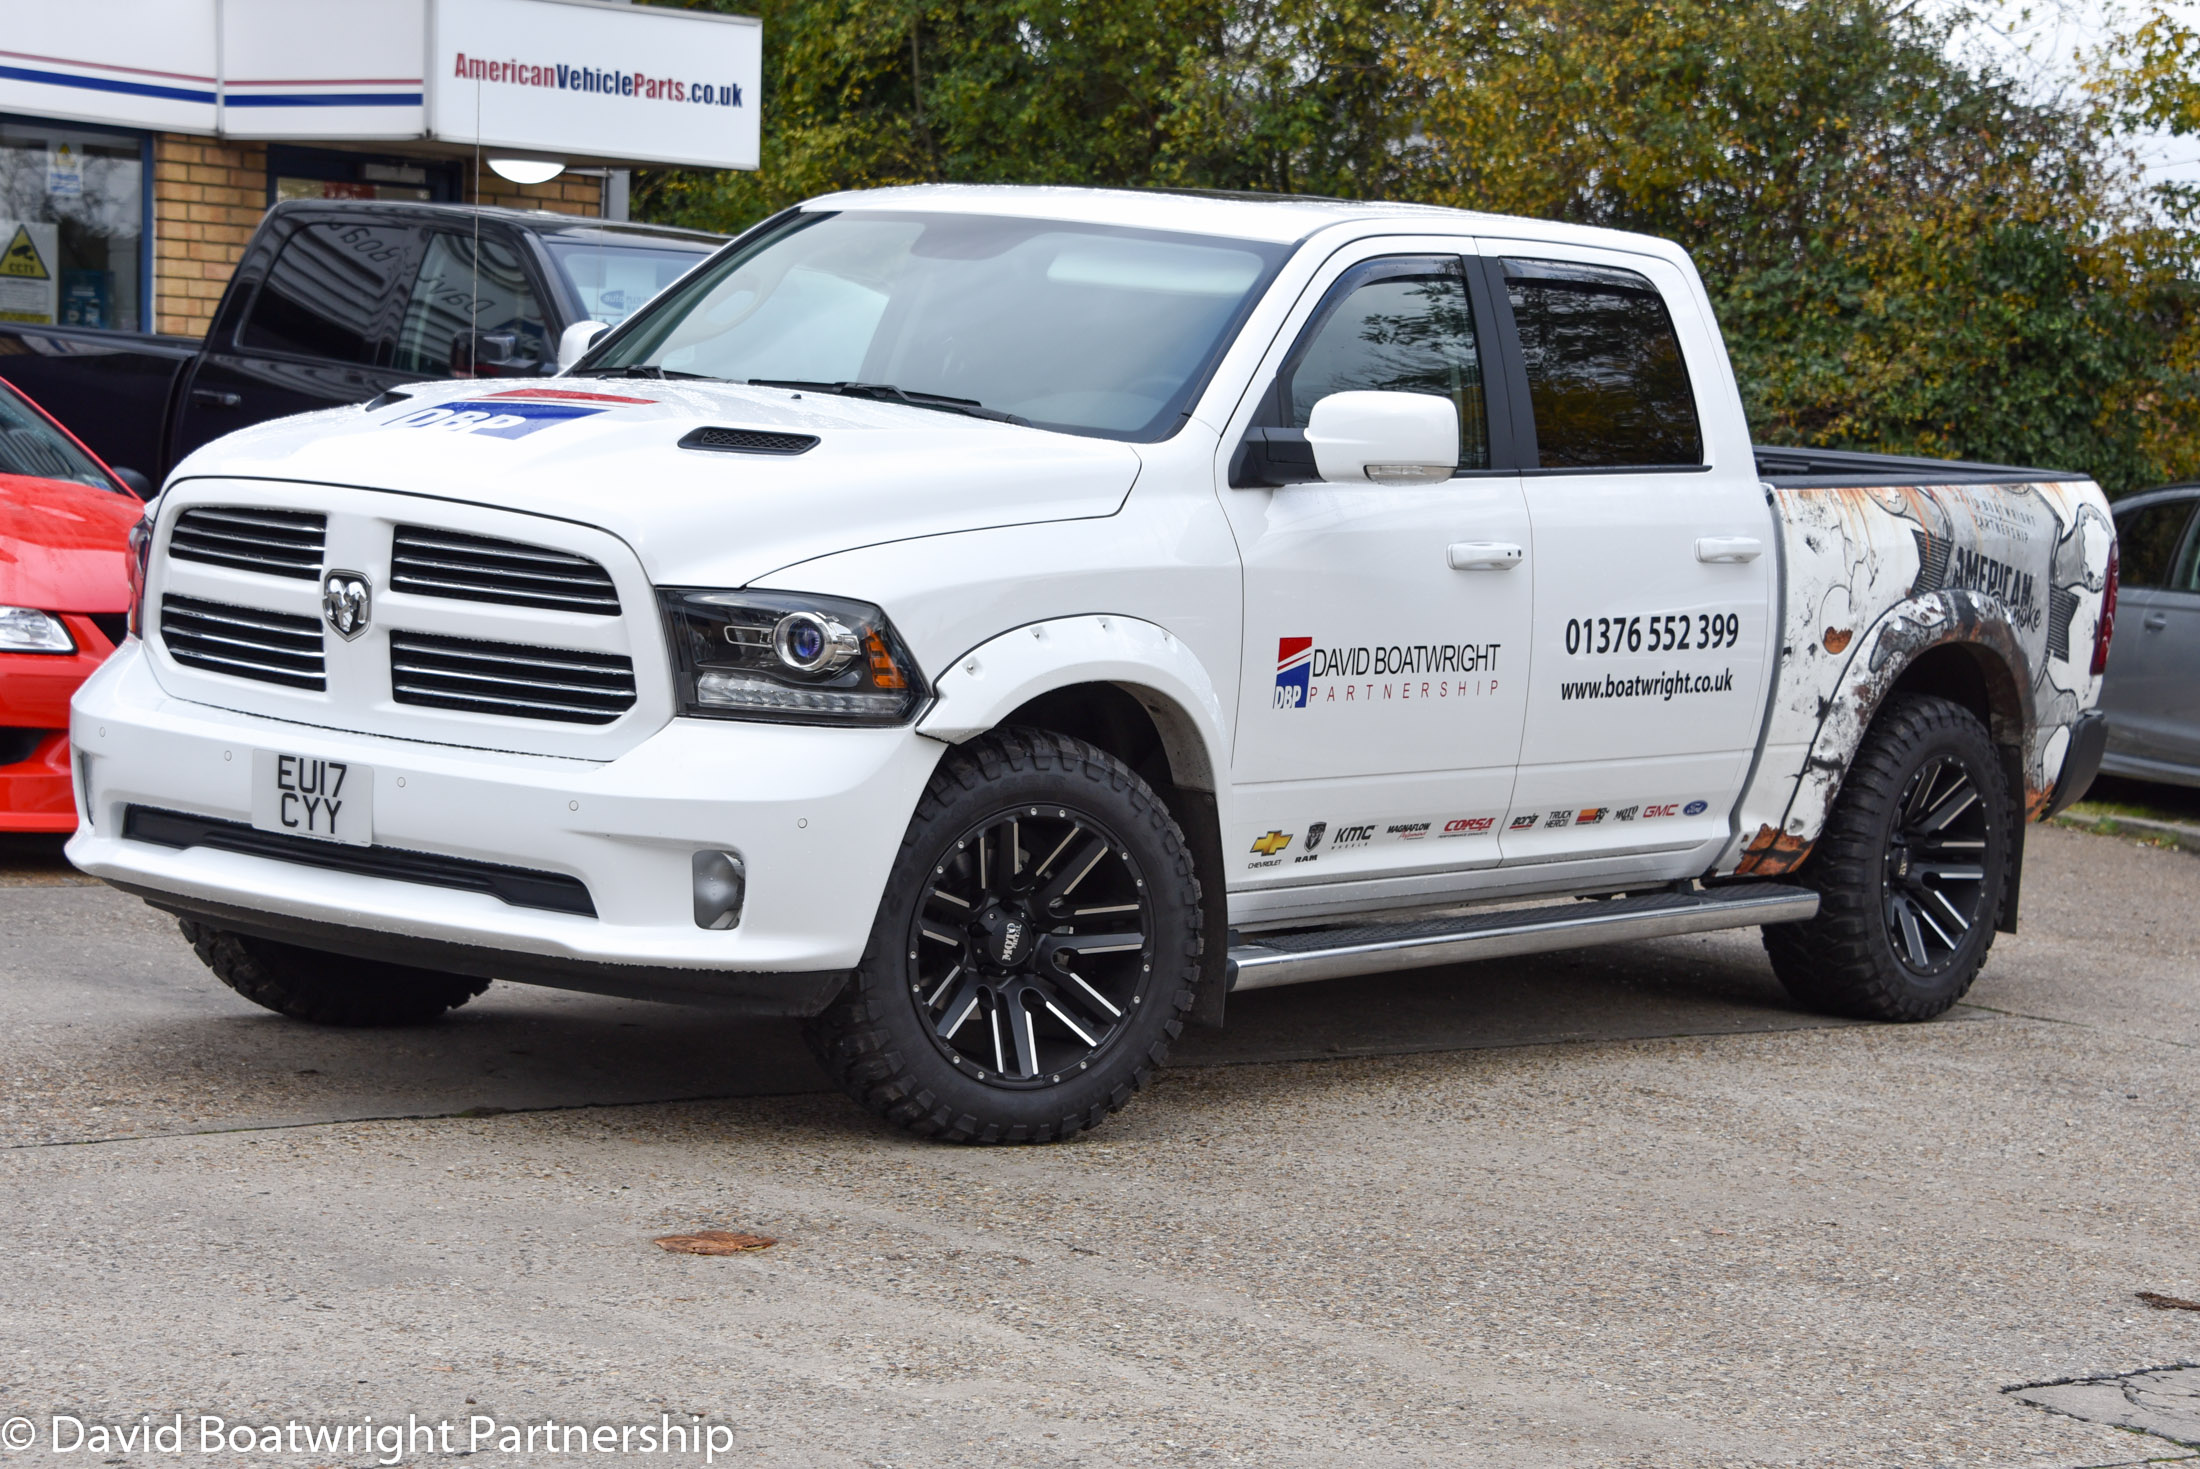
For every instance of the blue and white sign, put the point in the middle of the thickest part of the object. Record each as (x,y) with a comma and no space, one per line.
(495,419)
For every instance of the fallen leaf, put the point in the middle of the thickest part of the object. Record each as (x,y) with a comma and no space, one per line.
(713,1242)
(2161,1302)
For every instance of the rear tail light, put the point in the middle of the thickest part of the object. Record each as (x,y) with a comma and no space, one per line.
(141,552)
(2106,628)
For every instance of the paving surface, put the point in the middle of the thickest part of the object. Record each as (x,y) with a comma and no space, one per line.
(1623,1207)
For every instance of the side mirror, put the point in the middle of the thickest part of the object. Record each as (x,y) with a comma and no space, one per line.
(575,340)
(137,483)
(1386,438)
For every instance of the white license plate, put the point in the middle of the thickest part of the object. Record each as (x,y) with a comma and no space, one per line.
(312,796)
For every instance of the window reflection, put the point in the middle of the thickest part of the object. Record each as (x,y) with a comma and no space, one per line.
(1402,333)
(1605,373)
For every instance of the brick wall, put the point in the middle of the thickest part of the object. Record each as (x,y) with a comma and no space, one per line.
(208,197)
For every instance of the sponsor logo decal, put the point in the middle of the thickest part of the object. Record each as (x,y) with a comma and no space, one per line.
(1695,808)
(1294,664)
(1269,845)
(1314,834)
(1522,823)
(1651,813)
(1626,813)
(1408,831)
(1559,818)
(1353,836)
(1467,826)
(1591,815)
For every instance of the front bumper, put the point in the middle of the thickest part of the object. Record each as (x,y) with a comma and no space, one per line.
(816,814)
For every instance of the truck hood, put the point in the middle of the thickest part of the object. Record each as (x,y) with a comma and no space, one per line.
(606,453)
(64,547)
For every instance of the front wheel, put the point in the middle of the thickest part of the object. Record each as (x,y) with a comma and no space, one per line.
(1034,955)
(1911,870)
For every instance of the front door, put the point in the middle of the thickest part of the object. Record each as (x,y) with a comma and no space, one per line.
(2152,692)
(1384,668)
(1655,565)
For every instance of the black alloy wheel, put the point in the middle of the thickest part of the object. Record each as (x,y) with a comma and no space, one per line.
(1035,951)
(1910,869)
(1030,949)
(1935,871)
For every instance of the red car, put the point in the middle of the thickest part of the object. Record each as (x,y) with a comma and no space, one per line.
(65,524)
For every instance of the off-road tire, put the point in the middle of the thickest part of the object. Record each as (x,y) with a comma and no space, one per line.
(875,1043)
(1845,960)
(327,989)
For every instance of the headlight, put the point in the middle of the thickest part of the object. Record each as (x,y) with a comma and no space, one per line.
(28,630)
(789,657)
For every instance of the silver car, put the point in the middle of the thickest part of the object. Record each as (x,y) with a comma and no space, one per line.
(2152,696)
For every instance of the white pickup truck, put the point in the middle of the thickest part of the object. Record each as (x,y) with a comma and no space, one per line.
(996,624)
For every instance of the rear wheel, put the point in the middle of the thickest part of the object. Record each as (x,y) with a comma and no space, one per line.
(1911,867)
(1034,954)
(327,989)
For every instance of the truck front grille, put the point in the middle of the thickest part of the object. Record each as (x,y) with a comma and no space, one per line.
(276,542)
(443,563)
(512,679)
(243,642)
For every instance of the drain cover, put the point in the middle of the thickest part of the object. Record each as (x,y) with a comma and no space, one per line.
(2163,1401)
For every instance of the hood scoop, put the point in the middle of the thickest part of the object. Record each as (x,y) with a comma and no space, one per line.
(749,441)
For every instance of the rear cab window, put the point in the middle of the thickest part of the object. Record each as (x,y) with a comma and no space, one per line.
(1607,383)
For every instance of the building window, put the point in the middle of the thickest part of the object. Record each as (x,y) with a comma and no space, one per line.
(72,225)
(331,173)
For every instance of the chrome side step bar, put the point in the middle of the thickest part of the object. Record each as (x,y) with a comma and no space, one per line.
(1266,960)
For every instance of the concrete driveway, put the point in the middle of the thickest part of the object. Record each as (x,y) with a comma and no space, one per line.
(1623,1207)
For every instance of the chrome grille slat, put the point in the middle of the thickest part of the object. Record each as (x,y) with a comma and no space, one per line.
(243,642)
(272,542)
(513,679)
(471,568)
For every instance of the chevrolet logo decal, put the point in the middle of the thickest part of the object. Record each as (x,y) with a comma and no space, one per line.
(1272,843)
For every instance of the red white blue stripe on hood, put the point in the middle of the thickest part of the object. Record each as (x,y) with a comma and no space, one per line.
(513,414)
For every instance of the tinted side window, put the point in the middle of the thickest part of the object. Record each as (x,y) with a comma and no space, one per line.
(1408,327)
(2146,542)
(452,290)
(1605,374)
(326,290)
(2185,575)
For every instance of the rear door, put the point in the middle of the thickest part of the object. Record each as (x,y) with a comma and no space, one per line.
(1655,561)
(316,332)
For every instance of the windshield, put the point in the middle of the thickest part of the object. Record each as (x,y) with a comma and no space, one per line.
(1088,328)
(29,445)
(612,281)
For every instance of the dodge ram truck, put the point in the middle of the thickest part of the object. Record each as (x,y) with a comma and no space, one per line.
(996,625)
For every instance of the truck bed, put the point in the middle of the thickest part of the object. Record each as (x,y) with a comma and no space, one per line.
(110,389)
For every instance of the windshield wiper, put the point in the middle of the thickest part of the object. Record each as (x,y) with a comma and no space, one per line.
(644,370)
(888,393)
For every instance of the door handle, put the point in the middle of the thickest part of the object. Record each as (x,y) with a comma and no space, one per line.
(2156,621)
(215,397)
(1729,548)
(1483,555)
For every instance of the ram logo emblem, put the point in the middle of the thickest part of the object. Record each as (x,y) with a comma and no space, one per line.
(347,603)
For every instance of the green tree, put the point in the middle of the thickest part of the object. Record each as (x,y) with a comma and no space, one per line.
(1906,253)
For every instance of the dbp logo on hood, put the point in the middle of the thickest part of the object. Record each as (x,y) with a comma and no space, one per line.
(497,420)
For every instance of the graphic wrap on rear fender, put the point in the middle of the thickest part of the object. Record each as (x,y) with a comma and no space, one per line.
(1878,576)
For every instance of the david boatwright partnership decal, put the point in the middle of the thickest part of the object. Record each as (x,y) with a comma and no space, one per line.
(1380,674)
(512,415)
